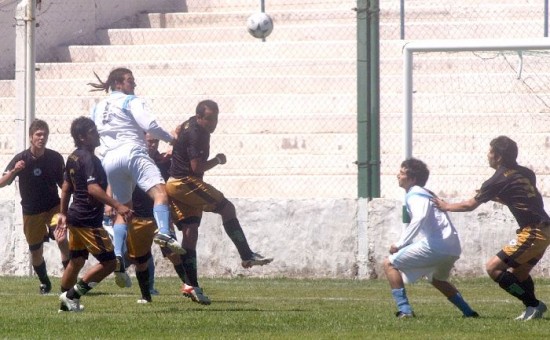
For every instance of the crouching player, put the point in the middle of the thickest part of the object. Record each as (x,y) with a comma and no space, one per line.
(429,245)
(86,181)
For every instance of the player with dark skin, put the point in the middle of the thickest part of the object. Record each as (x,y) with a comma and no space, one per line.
(190,196)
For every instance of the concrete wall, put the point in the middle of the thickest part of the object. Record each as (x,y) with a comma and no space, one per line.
(308,238)
(81,20)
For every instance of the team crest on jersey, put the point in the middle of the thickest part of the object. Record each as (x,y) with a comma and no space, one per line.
(37,172)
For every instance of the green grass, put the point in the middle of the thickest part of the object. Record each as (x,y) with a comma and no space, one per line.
(266,309)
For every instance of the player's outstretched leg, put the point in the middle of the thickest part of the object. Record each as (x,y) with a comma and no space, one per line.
(249,258)
(454,296)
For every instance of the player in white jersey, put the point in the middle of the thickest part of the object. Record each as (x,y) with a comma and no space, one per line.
(429,245)
(122,120)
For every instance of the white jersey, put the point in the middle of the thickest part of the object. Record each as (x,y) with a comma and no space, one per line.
(428,223)
(123,119)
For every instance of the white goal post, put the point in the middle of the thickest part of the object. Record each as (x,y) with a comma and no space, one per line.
(452,46)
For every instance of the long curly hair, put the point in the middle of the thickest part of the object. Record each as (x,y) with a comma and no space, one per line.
(116,75)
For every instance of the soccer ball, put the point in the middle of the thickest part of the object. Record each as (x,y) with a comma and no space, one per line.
(259,25)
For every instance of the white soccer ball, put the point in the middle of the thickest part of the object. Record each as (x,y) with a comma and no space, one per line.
(259,25)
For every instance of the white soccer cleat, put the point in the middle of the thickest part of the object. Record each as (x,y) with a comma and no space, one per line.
(122,279)
(169,242)
(71,305)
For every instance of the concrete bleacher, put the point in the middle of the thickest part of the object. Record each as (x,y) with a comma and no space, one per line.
(296,123)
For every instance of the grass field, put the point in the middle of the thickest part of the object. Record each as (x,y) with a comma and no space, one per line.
(266,309)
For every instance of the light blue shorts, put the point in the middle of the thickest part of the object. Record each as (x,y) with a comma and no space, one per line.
(419,260)
(128,166)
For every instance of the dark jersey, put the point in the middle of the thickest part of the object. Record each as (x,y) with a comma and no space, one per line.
(39,180)
(85,168)
(193,142)
(142,203)
(517,188)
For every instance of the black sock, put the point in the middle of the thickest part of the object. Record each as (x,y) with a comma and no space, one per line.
(511,284)
(236,234)
(180,270)
(40,270)
(143,281)
(79,289)
(189,263)
(529,287)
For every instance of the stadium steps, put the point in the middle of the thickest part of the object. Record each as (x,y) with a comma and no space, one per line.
(300,32)
(277,143)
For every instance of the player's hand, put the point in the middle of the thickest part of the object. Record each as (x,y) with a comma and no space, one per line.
(439,203)
(125,212)
(393,249)
(60,231)
(221,158)
(109,211)
(20,165)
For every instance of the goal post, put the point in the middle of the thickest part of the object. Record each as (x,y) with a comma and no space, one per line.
(427,46)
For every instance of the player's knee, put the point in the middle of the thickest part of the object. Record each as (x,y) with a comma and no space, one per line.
(109,265)
(158,194)
(188,222)
(77,263)
(35,247)
(387,264)
(225,208)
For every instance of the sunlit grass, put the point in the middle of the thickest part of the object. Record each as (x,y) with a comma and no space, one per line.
(266,309)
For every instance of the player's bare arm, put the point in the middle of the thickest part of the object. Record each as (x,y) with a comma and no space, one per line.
(467,205)
(61,228)
(199,166)
(10,175)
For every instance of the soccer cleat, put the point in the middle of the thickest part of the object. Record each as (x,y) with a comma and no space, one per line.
(256,260)
(535,312)
(401,315)
(473,315)
(122,279)
(45,289)
(143,301)
(169,242)
(195,294)
(521,316)
(153,291)
(71,305)
(63,308)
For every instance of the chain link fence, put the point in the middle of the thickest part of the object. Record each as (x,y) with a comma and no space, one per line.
(288,105)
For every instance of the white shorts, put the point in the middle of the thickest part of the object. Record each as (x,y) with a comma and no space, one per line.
(128,166)
(419,260)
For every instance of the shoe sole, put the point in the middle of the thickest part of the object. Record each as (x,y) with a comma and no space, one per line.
(251,263)
(62,299)
(123,280)
(173,246)
(194,299)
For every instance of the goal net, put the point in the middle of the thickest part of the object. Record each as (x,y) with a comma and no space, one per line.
(458,95)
